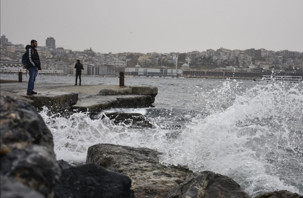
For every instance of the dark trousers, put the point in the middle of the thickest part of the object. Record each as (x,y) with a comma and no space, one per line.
(32,77)
(78,74)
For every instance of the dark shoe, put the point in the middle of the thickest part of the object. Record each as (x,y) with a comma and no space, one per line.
(75,84)
(33,92)
(29,93)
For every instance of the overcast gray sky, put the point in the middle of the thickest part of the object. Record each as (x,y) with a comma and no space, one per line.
(156,25)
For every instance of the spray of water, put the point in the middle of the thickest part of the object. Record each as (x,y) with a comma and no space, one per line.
(254,135)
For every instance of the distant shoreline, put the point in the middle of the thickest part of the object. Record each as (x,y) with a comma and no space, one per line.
(209,74)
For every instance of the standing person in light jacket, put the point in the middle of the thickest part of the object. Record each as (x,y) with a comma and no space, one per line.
(79,68)
(35,65)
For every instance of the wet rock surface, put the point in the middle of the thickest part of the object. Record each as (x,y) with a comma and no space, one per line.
(134,120)
(149,177)
(208,185)
(11,188)
(21,125)
(26,148)
(280,194)
(92,181)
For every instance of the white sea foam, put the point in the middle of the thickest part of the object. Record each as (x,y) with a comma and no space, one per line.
(251,133)
(123,110)
(255,140)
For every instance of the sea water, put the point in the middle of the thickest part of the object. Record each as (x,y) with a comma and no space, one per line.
(251,131)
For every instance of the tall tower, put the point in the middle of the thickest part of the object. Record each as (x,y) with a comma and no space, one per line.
(51,43)
(4,40)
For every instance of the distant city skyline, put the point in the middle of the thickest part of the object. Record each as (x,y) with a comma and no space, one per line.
(161,26)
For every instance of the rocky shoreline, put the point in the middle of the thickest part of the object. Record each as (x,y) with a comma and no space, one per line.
(29,168)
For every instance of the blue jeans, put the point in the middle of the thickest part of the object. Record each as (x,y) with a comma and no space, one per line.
(32,77)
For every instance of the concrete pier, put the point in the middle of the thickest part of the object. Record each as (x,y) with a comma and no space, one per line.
(91,98)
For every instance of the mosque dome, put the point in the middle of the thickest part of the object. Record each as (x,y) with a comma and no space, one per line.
(185,66)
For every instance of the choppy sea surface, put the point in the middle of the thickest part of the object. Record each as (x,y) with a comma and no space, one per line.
(251,131)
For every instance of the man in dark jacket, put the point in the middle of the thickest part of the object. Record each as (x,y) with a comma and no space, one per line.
(35,65)
(78,68)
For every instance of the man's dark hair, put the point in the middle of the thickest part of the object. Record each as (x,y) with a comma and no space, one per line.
(32,41)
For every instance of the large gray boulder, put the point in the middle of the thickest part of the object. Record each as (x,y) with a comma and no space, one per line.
(149,177)
(208,185)
(26,149)
(280,194)
(92,181)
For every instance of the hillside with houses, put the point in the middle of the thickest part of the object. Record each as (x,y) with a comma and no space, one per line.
(223,60)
